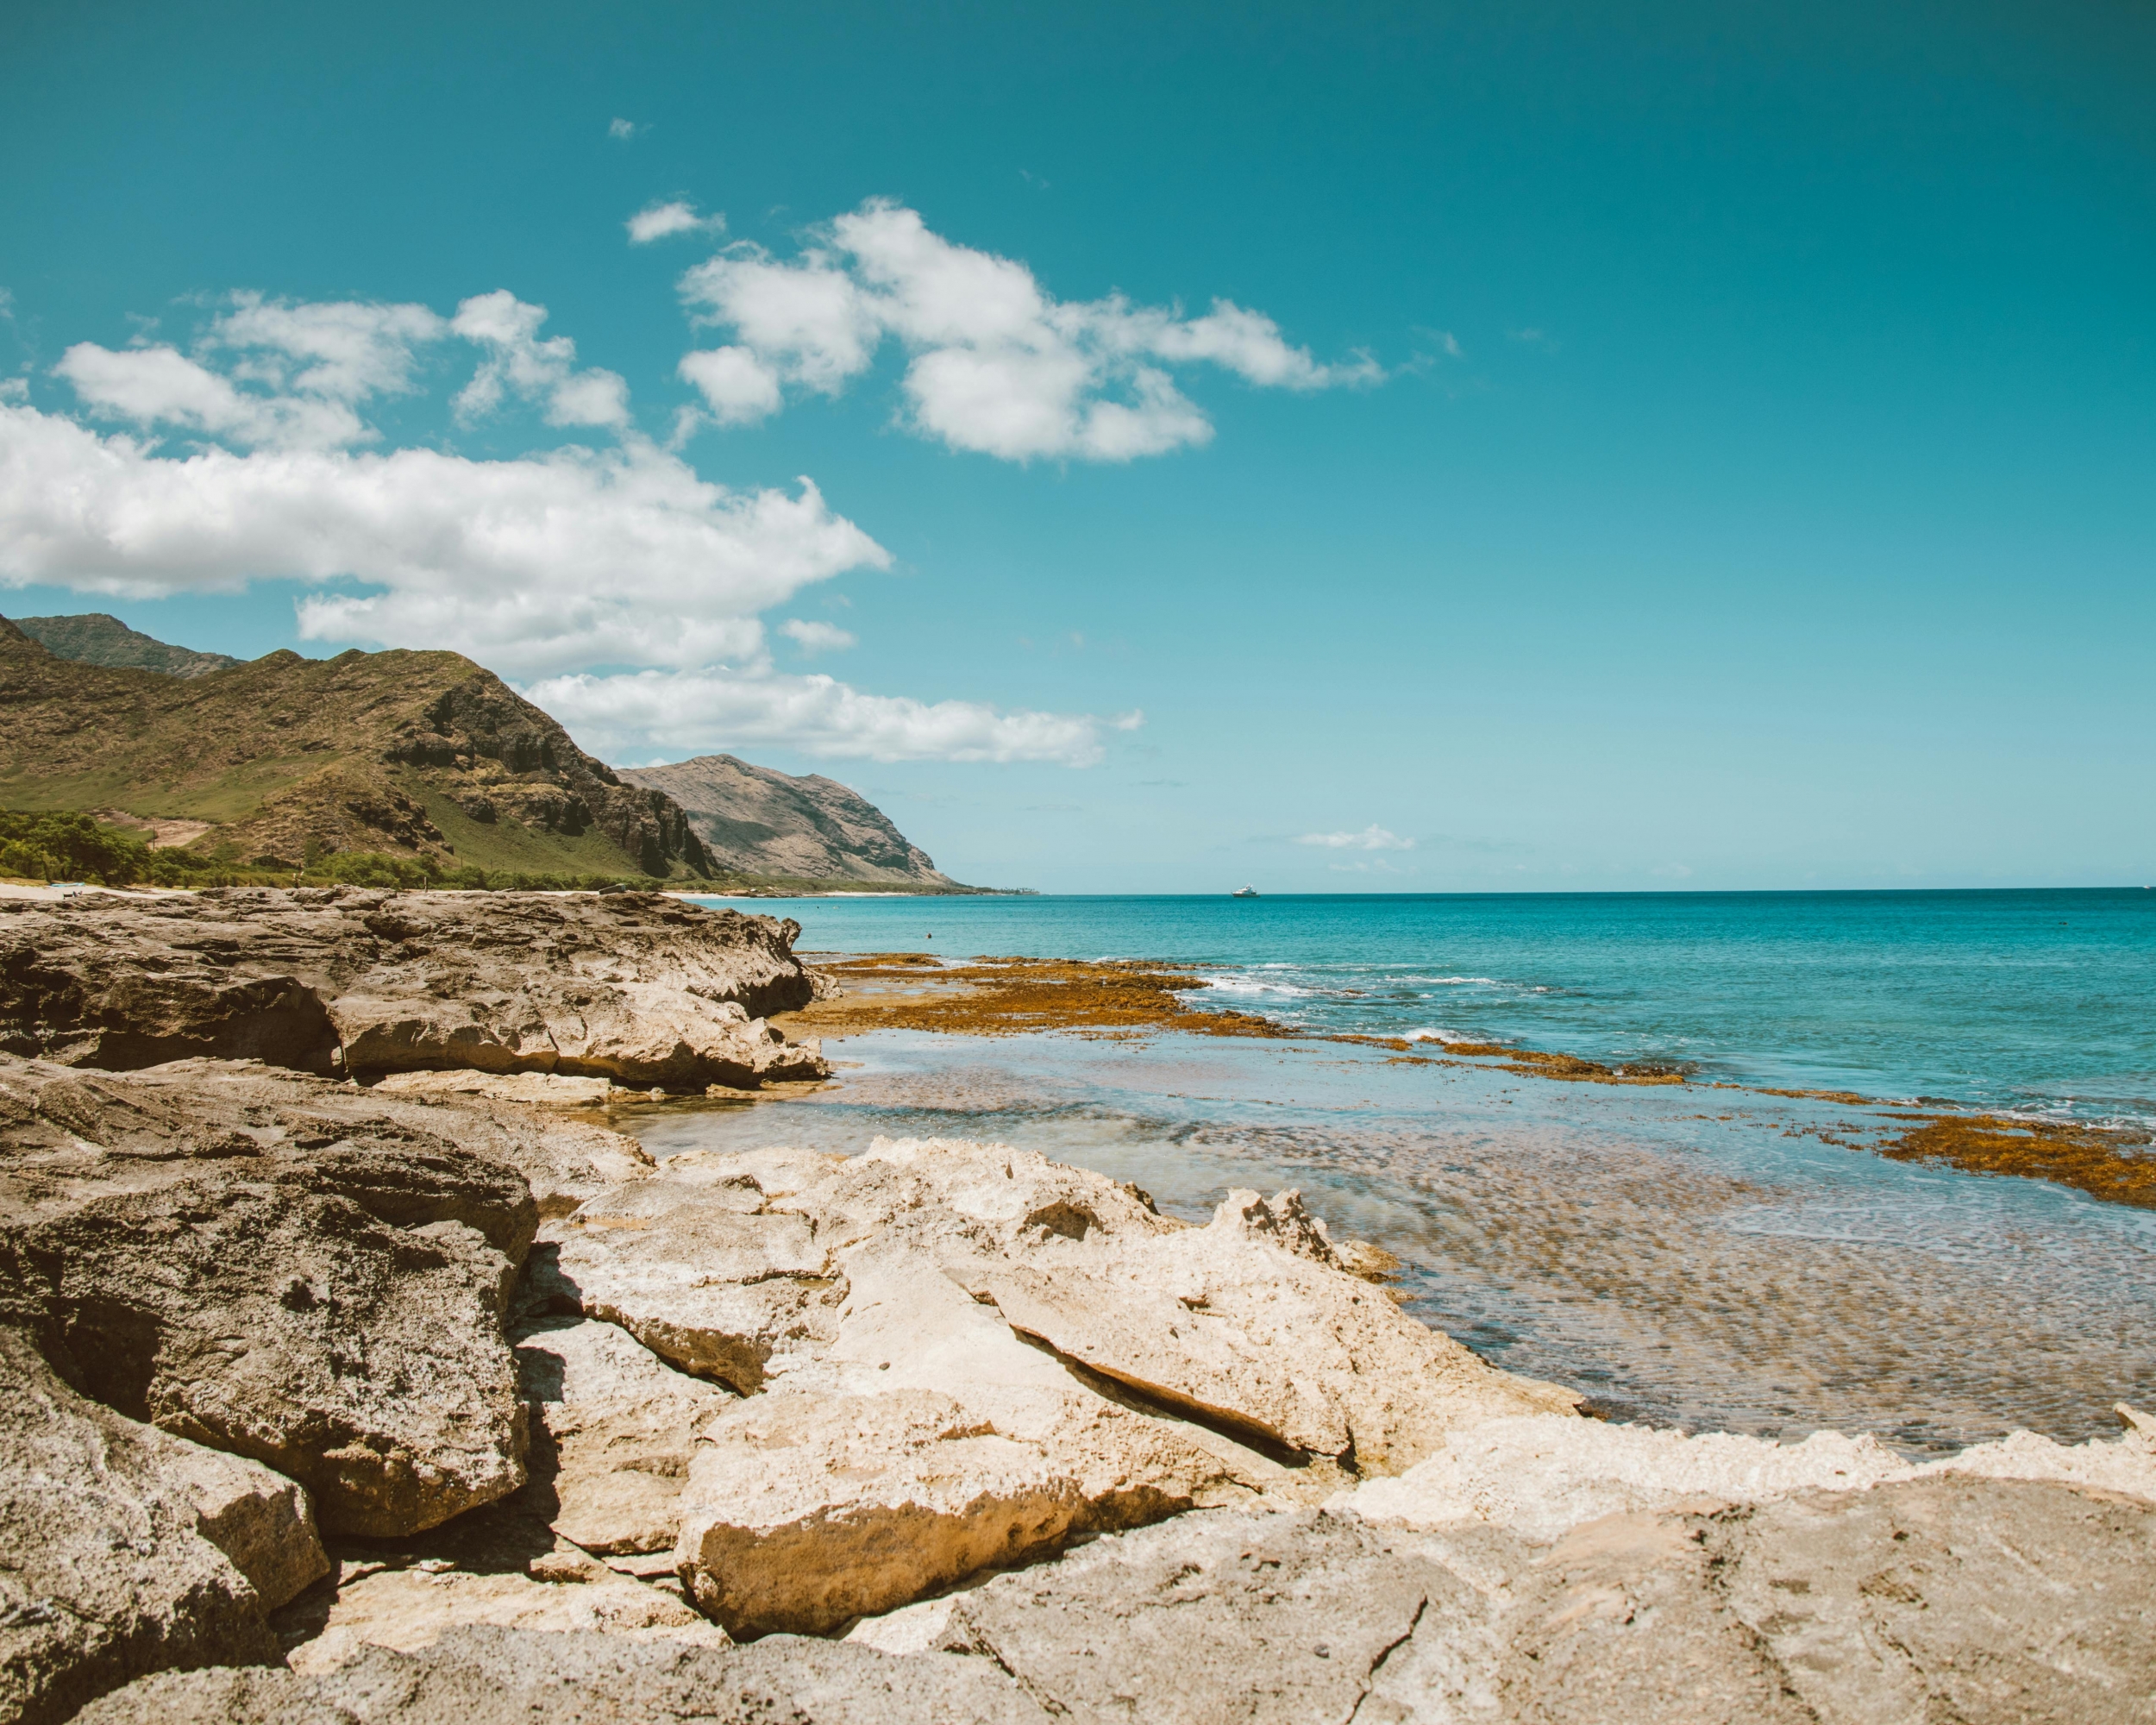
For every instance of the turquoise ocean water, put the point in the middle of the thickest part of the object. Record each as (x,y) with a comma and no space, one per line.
(1699,1254)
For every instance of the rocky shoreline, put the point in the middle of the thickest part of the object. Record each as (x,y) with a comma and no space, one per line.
(345,1381)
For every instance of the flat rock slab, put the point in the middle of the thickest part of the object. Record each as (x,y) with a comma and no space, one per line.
(319,1288)
(639,988)
(614,1430)
(505,1677)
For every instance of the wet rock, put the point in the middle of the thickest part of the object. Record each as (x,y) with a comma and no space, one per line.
(319,1288)
(613,1433)
(123,1550)
(635,986)
(504,1677)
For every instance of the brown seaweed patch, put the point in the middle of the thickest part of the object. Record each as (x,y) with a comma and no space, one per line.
(1018,996)
(2106,1161)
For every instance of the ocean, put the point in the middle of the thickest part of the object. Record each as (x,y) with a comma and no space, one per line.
(1703,1255)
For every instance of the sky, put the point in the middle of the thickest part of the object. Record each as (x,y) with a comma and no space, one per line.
(1426,449)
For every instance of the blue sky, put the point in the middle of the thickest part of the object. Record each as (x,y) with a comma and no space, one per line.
(1406,449)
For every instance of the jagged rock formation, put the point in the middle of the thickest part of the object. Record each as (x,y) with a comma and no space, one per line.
(763,822)
(639,988)
(411,754)
(99,638)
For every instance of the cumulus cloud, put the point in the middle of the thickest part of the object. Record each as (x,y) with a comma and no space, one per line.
(658,221)
(565,558)
(817,715)
(997,365)
(1371,838)
(816,637)
(621,129)
(738,386)
(340,350)
(519,363)
(161,386)
(631,586)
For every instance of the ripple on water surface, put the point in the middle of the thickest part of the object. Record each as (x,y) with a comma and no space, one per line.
(1684,1255)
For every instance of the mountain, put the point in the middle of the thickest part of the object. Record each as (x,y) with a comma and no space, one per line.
(767,822)
(97,639)
(288,759)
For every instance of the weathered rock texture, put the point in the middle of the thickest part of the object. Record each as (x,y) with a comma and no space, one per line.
(502,1677)
(274,1269)
(126,1550)
(764,822)
(639,988)
(422,754)
(923,1395)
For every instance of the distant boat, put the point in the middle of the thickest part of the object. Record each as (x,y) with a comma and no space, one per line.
(1243,893)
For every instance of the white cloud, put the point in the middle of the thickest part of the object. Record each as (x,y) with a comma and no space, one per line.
(161,386)
(571,560)
(346,350)
(997,364)
(658,221)
(1371,838)
(556,560)
(15,389)
(739,386)
(621,715)
(518,361)
(625,129)
(816,637)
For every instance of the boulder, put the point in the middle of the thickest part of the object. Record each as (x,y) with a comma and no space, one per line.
(508,1677)
(639,988)
(614,1430)
(320,1288)
(1253,1323)
(124,1550)
(697,1272)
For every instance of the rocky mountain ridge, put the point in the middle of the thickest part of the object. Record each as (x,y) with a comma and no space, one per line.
(286,759)
(771,823)
(99,638)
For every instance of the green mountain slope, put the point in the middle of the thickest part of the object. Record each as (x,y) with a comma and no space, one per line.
(412,755)
(94,638)
(770,823)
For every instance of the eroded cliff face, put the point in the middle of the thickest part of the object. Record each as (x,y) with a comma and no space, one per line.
(763,822)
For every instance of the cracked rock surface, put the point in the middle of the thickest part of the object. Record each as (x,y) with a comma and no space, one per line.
(635,986)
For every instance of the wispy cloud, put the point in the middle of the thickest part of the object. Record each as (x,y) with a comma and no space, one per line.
(622,130)
(1371,838)
(658,221)
(816,637)
(997,365)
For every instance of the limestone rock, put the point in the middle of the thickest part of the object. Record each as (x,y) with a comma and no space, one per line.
(1539,1476)
(124,1551)
(637,987)
(540,1089)
(1251,1323)
(1273,1618)
(698,1273)
(909,1494)
(409,1609)
(506,1676)
(613,1433)
(320,1289)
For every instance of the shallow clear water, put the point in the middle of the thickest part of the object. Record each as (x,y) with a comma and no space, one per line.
(1691,1255)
